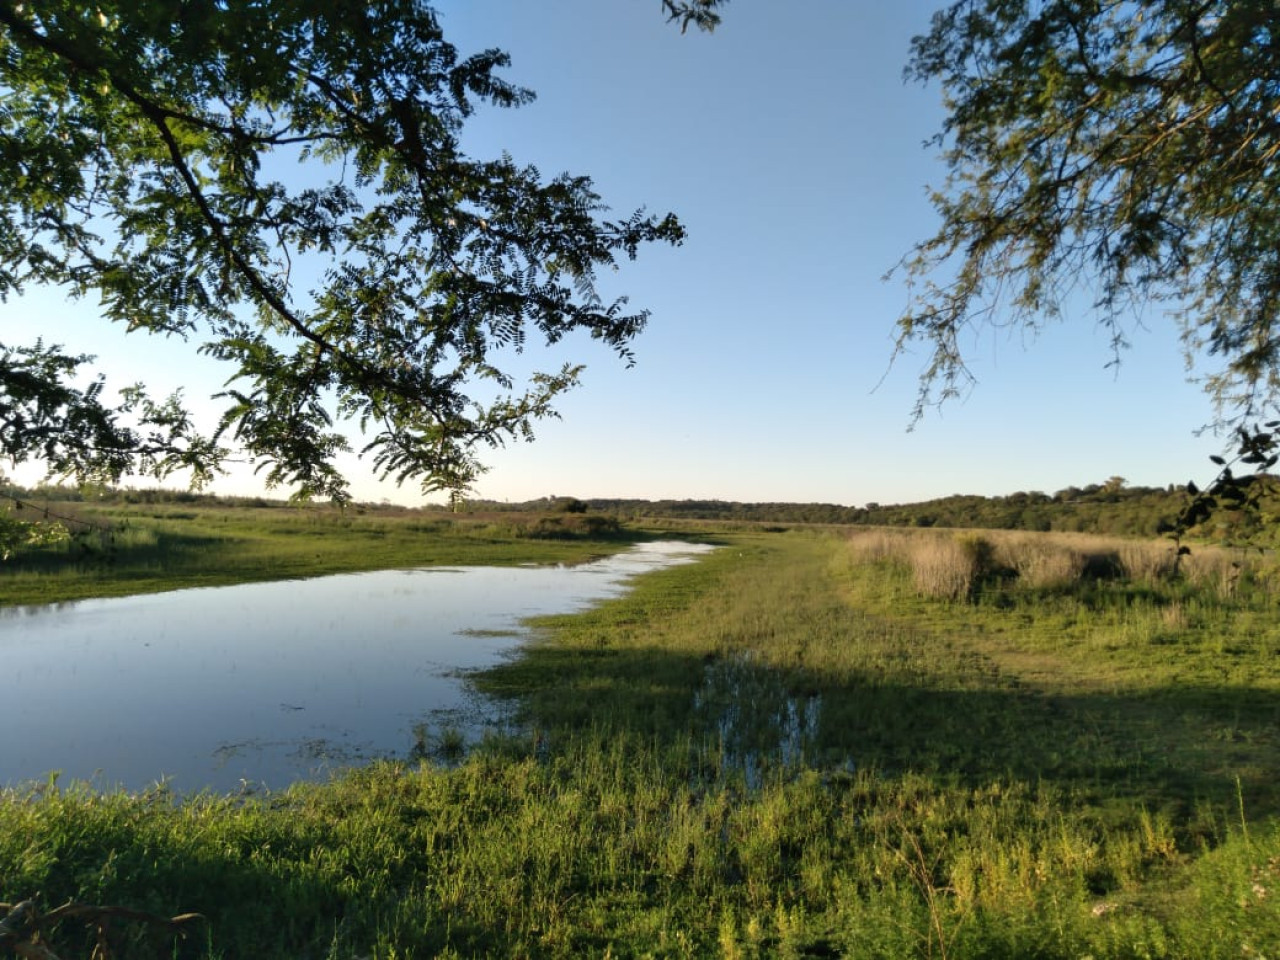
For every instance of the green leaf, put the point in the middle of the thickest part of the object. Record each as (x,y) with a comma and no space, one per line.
(133,170)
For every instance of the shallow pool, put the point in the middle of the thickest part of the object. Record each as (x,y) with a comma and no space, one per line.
(263,684)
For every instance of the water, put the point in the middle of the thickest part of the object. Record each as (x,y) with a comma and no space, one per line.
(756,720)
(263,684)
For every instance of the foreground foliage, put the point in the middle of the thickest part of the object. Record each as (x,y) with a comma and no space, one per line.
(790,748)
(1120,151)
(18,534)
(283,184)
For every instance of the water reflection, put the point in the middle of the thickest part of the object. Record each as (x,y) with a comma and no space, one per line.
(272,682)
(756,720)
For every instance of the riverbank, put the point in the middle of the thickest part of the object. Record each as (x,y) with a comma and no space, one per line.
(117,549)
(789,748)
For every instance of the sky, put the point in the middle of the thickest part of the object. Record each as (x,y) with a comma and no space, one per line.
(794,152)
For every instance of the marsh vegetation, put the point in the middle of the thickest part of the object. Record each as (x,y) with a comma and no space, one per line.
(869,743)
(117,547)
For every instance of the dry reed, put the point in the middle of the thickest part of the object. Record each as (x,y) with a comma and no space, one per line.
(1149,561)
(875,545)
(951,564)
(941,567)
(1041,560)
(1213,568)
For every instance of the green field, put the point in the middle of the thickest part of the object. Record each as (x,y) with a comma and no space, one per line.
(118,548)
(810,744)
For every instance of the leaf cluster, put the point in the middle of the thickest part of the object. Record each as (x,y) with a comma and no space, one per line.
(1250,496)
(16,534)
(284,184)
(1124,150)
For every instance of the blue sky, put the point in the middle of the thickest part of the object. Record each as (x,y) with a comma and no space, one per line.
(791,148)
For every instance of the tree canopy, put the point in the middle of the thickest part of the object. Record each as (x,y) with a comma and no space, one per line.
(282,183)
(1124,150)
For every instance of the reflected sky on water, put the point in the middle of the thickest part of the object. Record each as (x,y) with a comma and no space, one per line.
(268,683)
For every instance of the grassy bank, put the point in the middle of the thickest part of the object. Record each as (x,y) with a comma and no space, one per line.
(797,747)
(121,548)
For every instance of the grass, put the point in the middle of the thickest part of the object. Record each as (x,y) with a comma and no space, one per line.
(791,748)
(123,549)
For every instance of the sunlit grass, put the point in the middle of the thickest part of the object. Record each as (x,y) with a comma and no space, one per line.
(788,748)
(122,549)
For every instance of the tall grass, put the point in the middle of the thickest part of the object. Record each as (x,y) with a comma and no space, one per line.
(607,849)
(954,565)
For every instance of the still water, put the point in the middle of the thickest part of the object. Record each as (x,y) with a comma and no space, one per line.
(267,683)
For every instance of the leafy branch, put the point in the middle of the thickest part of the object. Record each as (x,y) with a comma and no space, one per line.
(698,13)
(1126,151)
(142,142)
(1249,494)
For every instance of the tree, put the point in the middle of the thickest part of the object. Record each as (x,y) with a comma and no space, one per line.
(283,183)
(1128,149)
(1112,488)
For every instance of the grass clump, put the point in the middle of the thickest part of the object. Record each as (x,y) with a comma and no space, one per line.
(953,565)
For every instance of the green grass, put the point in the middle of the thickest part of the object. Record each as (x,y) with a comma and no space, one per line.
(126,549)
(782,750)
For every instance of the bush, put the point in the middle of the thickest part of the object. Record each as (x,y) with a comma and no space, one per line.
(566,526)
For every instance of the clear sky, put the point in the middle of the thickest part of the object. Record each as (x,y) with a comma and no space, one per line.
(793,151)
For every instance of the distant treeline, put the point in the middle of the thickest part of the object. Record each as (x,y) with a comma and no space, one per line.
(1107,508)
(1111,508)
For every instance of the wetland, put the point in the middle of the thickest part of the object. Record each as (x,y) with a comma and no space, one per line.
(257,685)
(808,742)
